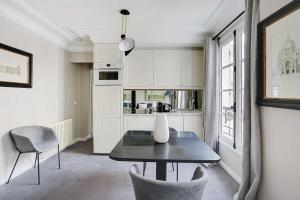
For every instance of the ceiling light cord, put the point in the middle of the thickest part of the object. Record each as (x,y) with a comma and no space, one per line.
(126,44)
(125,25)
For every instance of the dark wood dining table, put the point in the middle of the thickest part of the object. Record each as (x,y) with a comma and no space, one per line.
(182,147)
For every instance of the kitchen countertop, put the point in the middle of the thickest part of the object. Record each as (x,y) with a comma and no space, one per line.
(175,112)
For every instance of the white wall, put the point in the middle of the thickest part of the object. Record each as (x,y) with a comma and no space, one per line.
(231,160)
(50,100)
(280,142)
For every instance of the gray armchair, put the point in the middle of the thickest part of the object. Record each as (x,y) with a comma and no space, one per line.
(148,189)
(34,139)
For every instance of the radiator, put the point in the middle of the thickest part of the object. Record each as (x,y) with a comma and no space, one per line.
(64,133)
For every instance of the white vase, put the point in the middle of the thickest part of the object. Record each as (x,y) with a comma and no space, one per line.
(161,130)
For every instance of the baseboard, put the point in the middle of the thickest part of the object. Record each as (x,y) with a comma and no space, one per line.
(230,172)
(84,139)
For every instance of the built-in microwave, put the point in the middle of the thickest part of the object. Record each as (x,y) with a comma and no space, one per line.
(104,76)
(108,66)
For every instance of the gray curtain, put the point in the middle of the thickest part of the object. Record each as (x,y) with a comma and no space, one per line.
(211,107)
(251,117)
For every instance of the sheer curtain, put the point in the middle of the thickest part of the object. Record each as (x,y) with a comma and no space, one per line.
(211,108)
(251,117)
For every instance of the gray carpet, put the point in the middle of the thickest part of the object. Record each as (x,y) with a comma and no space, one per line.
(86,176)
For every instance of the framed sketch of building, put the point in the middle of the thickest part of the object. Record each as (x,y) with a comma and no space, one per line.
(279,58)
(15,67)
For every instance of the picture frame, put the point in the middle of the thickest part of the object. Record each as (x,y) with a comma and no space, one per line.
(15,67)
(278,58)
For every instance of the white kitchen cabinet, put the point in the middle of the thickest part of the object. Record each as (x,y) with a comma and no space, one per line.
(107,117)
(108,134)
(176,122)
(139,69)
(138,123)
(107,53)
(108,100)
(167,68)
(194,124)
(192,68)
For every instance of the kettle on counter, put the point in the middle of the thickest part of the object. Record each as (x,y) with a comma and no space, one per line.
(167,107)
(160,107)
(163,107)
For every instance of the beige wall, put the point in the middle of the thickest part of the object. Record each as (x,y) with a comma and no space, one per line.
(83,100)
(50,100)
(280,142)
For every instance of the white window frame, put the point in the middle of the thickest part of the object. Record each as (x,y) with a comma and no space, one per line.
(225,39)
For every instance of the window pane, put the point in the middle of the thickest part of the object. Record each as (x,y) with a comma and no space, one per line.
(227,54)
(227,125)
(227,78)
(227,101)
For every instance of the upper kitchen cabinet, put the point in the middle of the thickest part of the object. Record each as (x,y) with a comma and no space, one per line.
(192,68)
(167,68)
(107,53)
(139,69)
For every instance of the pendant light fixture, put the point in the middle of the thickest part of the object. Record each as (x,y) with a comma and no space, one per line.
(126,44)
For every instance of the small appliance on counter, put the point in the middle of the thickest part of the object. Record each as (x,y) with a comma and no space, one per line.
(167,107)
(163,107)
(160,107)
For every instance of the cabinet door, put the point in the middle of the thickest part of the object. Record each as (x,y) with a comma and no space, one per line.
(108,134)
(193,124)
(107,53)
(108,100)
(137,123)
(176,122)
(192,68)
(139,68)
(167,68)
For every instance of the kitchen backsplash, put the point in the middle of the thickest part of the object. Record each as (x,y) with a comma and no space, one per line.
(146,101)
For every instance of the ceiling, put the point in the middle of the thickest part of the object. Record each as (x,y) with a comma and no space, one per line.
(151,22)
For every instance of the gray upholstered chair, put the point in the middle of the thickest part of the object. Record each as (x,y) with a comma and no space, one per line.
(34,139)
(148,189)
(171,129)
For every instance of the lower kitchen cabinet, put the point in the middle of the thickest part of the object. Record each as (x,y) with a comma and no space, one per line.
(176,122)
(179,122)
(138,123)
(108,134)
(194,124)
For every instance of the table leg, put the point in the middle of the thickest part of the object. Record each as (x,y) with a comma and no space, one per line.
(161,171)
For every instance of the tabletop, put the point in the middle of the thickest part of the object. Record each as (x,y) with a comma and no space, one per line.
(182,147)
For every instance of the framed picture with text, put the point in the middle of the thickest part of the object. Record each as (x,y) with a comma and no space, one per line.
(279,58)
(15,67)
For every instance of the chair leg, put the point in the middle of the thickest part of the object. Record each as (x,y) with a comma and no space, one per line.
(144,168)
(58,155)
(13,168)
(173,166)
(36,155)
(38,159)
(177,172)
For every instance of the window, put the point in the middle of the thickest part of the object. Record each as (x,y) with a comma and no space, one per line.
(231,67)
(227,89)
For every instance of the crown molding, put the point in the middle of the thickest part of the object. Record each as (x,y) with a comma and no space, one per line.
(21,13)
(73,47)
(220,17)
